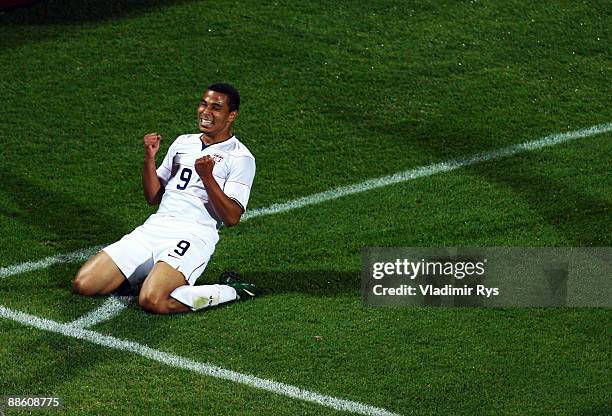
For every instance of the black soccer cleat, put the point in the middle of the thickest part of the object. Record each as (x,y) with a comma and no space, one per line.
(244,290)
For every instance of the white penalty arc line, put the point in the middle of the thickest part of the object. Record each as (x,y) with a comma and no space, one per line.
(195,366)
(342,191)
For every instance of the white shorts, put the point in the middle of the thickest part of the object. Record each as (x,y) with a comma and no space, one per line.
(137,252)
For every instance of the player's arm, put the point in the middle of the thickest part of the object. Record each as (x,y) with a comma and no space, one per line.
(151,185)
(226,208)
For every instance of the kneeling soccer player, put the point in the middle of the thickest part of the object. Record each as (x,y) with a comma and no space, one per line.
(204,180)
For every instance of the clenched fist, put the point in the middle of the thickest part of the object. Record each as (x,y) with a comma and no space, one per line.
(204,166)
(151,145)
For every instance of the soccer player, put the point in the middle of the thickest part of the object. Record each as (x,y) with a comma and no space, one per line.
(204,181)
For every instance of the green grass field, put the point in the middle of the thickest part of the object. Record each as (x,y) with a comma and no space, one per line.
(333,93)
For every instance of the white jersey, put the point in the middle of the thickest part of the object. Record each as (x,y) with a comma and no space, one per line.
(185,202)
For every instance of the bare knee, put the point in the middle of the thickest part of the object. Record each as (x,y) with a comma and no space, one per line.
(83,284)
(98,276)
(153,303)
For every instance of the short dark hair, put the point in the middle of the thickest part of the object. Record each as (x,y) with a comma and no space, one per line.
(232,94)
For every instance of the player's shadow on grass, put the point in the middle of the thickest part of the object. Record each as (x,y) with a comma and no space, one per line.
(69,12)
(65,222)
(313,282)
(37,23)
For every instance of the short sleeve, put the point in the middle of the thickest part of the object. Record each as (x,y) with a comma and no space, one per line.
(164,171)
(240,180)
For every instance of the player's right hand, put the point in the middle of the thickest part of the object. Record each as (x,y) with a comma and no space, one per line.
(151,144)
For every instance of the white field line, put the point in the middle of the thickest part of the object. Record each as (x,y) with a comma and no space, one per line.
(109,309)
(430,170)
(80,255)
(339,192)
(187,364)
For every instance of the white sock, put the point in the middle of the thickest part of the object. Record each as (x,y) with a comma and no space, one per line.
(204,296)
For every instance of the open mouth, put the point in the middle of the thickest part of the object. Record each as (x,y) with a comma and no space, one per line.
(205,122)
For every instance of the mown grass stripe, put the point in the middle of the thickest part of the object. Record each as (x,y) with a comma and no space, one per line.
(187,364)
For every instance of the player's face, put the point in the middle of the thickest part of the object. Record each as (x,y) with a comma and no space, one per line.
(214,117)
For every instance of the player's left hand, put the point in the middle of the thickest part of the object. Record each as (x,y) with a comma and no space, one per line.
(204,166)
